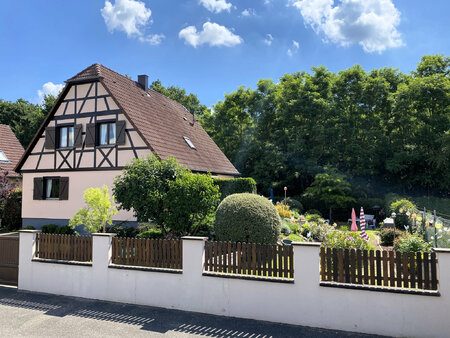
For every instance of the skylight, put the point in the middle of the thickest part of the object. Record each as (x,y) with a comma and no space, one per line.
(189,142)
(3,157)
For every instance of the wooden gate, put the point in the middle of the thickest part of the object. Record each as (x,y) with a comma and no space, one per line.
(9,259)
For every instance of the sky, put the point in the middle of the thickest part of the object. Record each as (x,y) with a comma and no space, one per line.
(210,47)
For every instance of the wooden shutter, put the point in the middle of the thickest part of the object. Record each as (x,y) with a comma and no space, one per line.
(90,135)
(50,138)
(64,188)
(120,133)
(38,188)
(78,129)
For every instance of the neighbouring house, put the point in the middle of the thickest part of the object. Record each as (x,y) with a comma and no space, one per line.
(11,152)
(99,123)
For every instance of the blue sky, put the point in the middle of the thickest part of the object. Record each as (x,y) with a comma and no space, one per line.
(210,47)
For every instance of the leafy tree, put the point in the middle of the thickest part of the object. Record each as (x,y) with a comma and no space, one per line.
(144,185)
(24,118)
(190,203)
(190,101)
(168,194)
(98,211)
(331,189)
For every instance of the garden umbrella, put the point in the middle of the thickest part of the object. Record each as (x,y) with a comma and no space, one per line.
(354,226)
(362,225)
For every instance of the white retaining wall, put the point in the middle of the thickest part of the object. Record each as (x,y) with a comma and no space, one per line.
(303,302)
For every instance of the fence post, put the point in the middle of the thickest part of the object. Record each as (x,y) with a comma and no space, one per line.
(27,249)
(101,258)
(443,258)
(307,264)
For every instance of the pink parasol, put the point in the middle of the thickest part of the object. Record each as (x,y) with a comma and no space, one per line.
(354,226)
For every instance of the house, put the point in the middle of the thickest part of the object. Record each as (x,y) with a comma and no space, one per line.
(99,123)
(10,153)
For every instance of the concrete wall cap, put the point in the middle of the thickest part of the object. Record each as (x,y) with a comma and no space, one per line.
(104,234)
(30,231)
(313,244)
(441,250)
(194,238)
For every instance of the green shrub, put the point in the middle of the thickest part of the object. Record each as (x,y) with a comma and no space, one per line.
(314,217)
(316,230)
(247,218)
(345,240)
(151,233)
(57,229)
(294,204)
(388,236)
(313,212)
(285,228)
(295,238)
(123,231)
(293,227)
(48,228)
(12,211)
(28,227)
(230,186)
(411,243)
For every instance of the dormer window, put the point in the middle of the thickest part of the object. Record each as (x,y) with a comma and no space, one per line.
(3,157)
(189,142)
(66,137)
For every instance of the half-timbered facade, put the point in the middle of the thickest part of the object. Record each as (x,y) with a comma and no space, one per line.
(100,122)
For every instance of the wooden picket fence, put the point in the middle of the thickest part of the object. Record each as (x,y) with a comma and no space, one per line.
(379,268)
(273,261)
(157,253)
(64,247)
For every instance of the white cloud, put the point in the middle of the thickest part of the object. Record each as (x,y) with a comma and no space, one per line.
(369,23)
(49,88)
(131,17)
(294,48)
(212,34)
(248,12)
(268,40)
(153,39)
(216,6)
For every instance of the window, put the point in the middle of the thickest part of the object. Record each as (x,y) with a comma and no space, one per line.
(51,188)
(107,133)
(66,137)
(3,157)
(189,142)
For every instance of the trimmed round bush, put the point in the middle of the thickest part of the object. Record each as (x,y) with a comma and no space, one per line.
(247,218)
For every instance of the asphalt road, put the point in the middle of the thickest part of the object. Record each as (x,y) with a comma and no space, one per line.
(32,314)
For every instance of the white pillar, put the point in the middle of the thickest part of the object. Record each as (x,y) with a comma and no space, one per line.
(443,257)
(193,255)
(101,258)
(27,249)
(306,264)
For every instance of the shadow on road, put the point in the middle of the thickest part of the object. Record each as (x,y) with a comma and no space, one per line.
(157,319)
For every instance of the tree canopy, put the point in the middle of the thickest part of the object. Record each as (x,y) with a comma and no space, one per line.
(382,128)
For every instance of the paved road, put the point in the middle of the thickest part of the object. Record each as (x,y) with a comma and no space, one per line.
(32,314)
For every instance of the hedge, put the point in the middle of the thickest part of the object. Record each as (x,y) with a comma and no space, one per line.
(12,211)
(229,186)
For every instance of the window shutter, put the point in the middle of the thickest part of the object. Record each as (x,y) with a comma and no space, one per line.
(50,137)
(120,132)
(90,135)
(78,129)
(38,188)
(64,188)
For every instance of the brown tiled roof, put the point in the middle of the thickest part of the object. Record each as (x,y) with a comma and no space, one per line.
(12,149)
(161,122)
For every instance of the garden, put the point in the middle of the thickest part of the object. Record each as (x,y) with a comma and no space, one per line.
(169,201)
